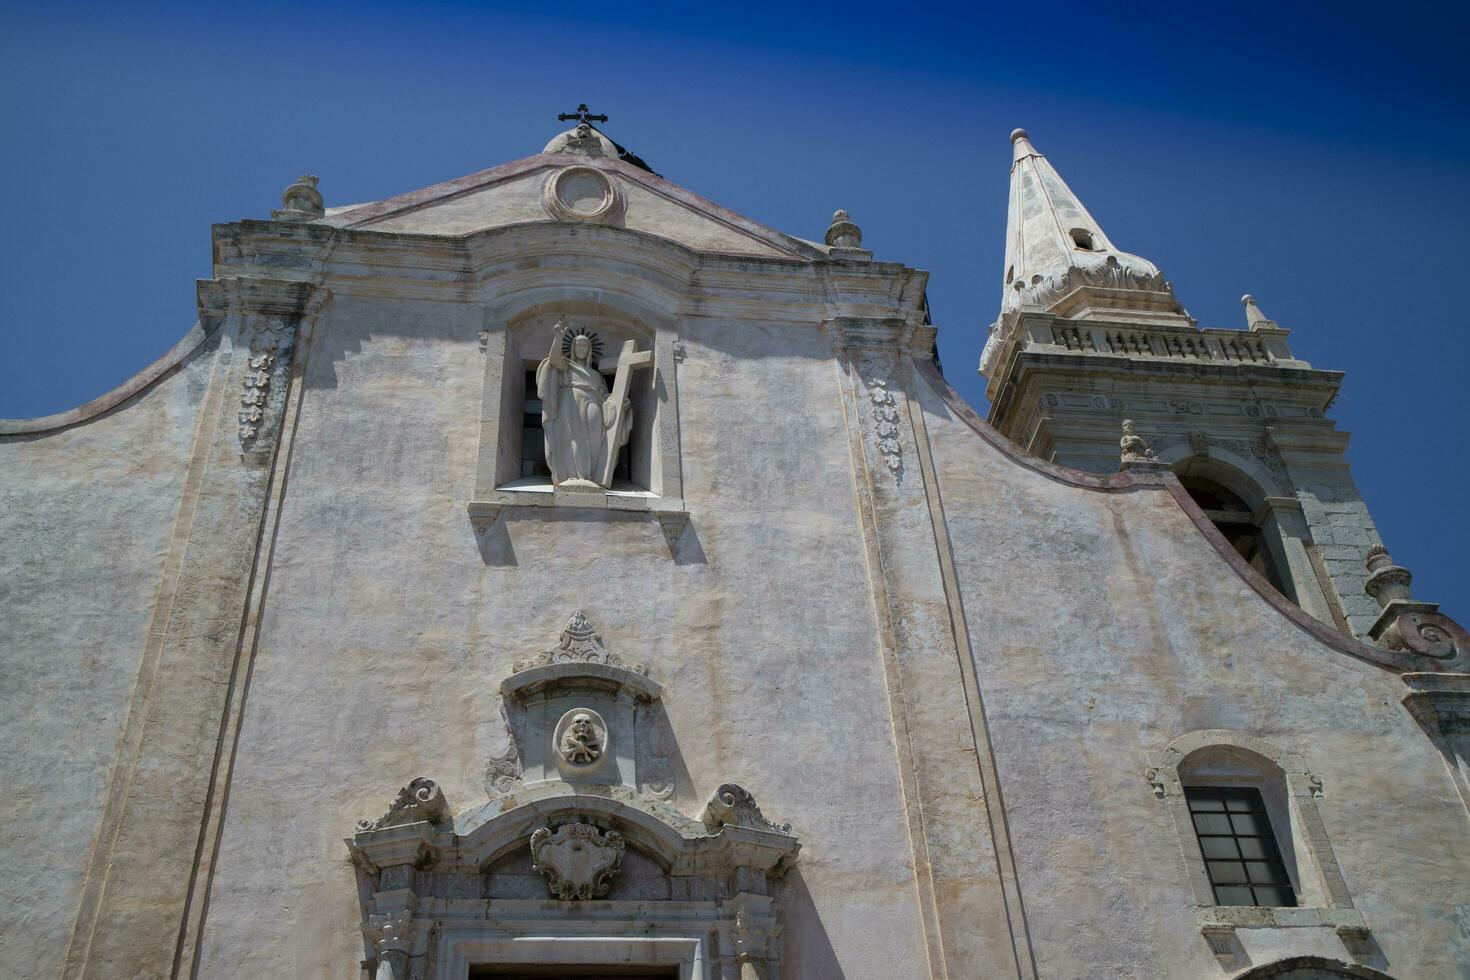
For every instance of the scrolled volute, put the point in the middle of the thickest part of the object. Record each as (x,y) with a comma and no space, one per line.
(421,799)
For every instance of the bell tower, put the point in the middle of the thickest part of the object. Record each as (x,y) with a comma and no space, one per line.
(1089,335)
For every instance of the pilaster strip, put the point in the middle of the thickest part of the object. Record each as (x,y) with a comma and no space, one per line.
(130,743)
(1015,906)
(888,649)
(187,962)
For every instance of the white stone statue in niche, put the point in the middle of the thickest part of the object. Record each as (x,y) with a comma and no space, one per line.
(585,425)
(581,744)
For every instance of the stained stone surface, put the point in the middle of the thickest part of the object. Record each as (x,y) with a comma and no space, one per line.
(86,515)
(946,666)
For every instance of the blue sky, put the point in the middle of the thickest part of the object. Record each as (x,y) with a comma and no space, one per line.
(1314,155)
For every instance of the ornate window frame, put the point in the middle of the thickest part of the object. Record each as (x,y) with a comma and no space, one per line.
(504,328)
(1322,894)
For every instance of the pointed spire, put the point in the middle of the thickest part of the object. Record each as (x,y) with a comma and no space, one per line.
(1060,261)
(1054,247)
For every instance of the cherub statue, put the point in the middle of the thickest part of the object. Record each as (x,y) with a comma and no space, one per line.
(1133,445)
(580,743)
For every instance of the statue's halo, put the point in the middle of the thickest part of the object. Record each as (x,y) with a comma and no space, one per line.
(571,335)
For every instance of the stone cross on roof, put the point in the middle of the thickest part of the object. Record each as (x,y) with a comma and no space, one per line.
(581,115)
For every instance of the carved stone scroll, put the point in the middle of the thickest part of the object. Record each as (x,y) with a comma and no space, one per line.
(420,800)
(732,805)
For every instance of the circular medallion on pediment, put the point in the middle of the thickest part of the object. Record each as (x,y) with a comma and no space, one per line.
(580,739)
(581,194)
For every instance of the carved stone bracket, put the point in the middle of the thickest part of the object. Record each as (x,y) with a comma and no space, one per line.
(420,800)
(733,806)
(578,860)
(1220,936)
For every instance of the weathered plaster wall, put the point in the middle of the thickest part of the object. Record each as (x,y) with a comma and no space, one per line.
(1106,625)
(86,517)
(386,632)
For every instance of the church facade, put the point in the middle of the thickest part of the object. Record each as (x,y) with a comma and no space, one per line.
(552,573)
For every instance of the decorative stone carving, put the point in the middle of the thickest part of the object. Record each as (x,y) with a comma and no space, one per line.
(390,931)
(1254,318)
(1133,446)
(1199,443)
(581,738)
(270,341)
(578,860)
(582,140)
(1406,625)
(300,201)
(504,769)
(732,805)
(842,233)
(1387,582)
(875,372)
(752,938)
(581,194)
(420,800)
(1043,290)
(578,642)
(585,425)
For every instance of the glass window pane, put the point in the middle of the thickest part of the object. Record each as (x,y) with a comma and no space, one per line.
(1258,849)
(1242,799)
(1218,847)
(1267,873)
(1234,895)
(1204,799)
(1212,823)
(1251,824)
(1226,872)
(1275,896)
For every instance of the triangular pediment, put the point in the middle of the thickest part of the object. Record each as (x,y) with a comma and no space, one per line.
(562,188)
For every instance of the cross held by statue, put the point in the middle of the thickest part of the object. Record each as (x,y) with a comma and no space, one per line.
(581,115)
(628,360)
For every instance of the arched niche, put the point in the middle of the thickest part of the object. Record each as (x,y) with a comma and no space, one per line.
(1257,512)
(517,335)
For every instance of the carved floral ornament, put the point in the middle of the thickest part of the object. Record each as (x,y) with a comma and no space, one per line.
(875,371)
(269,340)
(578,642)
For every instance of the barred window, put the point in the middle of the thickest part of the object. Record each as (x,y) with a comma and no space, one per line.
(1239,847)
